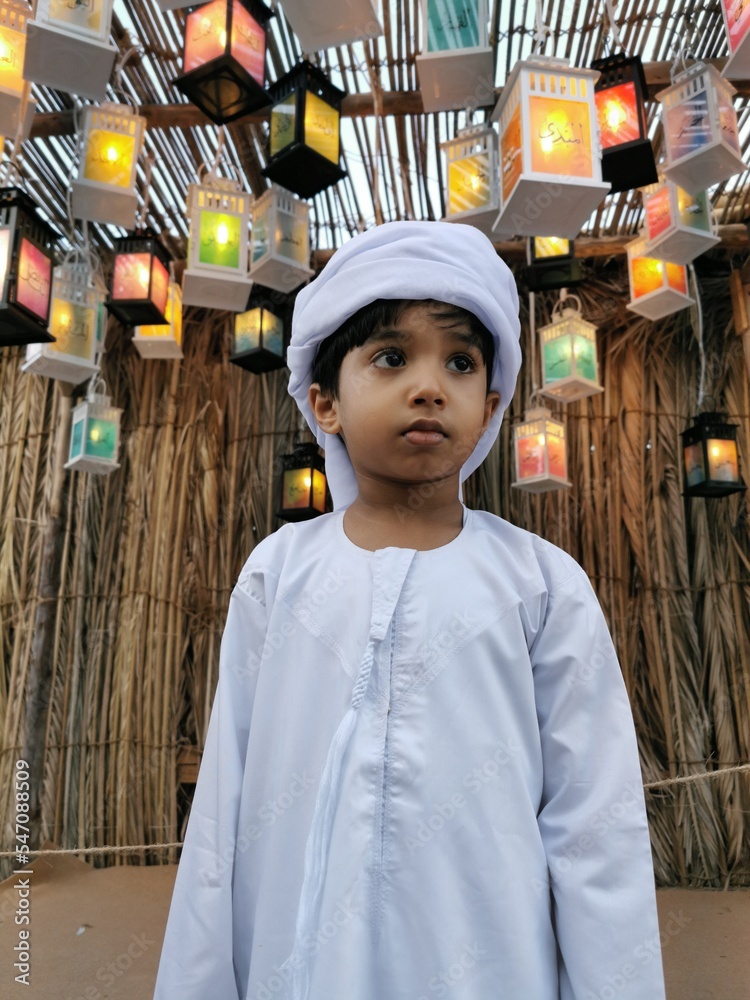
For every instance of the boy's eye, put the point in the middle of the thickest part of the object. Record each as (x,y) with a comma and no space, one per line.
(465,362)
(390,352)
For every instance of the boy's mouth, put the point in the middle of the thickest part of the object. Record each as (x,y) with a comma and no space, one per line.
(425,432)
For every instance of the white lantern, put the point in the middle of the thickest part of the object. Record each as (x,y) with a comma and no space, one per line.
(541,460)
(737,21)
(679,226)
(110,144)
(569,355)
(95,433)
(323,24)
(456,60)
(280,240)
(550,155)
(700,129)
(65,36)
(163,340)
(473,181)
(13,87)
(216,274)
(77,322)
(657,287)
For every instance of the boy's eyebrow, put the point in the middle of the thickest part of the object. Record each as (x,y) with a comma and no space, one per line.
(469,339)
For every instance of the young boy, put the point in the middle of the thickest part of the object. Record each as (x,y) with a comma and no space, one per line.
(421,776)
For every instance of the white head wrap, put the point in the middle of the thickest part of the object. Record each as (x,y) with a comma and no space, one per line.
(445,261)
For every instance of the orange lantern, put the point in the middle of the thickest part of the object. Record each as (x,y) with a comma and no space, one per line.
(140,280)
(657,287)
(26,263)
(540,454)
(550,157)
(473,184)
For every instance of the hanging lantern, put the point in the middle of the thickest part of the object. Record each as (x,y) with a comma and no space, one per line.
(140,279)
(216,274)
(541,461)
(657,287)
(258,339)
(679,226)
(13,88)
(63,37)
(569,355)
(709,450)
(305,131)
(328,23)
(280,240)
(700,129)
(552,264)
(77,324)
(473,194)
(95,433)
(551,175)
(163,340)
(303,487)
(224,58)
(620,93)
(736,21)
(456,59)
(26,263)
(110,145)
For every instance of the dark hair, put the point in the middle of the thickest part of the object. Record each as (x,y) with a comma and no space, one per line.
(379,315)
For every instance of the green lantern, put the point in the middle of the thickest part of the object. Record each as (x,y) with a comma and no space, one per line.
(569,355)
(95,432)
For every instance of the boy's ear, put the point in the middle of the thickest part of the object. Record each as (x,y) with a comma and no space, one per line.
(491,403)
(325,410)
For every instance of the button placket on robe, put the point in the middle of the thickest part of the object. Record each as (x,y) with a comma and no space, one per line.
(389,569)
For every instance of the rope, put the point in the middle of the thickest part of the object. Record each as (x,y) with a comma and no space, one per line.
(154,847)
(613,27)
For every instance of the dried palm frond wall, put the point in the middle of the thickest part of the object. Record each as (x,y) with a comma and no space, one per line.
(151,552)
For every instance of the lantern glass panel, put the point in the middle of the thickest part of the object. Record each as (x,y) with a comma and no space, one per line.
(109,158)
(173,316)
(283,120)
(76,438)
(688,126)
(132,272)
(321,127)
(618,114)
(658,212)
(4,252)
(728,119)
(511,153)
(249,326)
(451,25)
(677,277)
(248,43)
(560,131)
(34,279)
(205,34)
(86,15)
(694,471)
(304,488)
(648,276)
(101,438)
(550,246)
(469,183)
(220,239)
(556,455)
(531,456)
(693,210)
(723,463)
(73,326)
(12,54)
(291,238)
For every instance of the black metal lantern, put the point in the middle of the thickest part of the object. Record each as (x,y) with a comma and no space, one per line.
(26,263)
(620,92)
(552,264)
(258,338)
(140,279)
(224,58)
(303,484)
(305,137)
(710,458)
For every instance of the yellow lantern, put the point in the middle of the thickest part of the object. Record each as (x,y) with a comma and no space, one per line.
(700,129)
(13,87)
(473,182)
(303,486)
(280,240)
(737,21)
(657,287)
(216,274)
(455,64)
(163,340)
(550,156)
(110,144)
(679,226)
(65,36)
(540,452)
(569,355)
(76,322)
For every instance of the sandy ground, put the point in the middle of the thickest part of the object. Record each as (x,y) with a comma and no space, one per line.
(97,933)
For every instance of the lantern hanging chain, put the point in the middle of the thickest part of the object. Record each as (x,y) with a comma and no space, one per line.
(680,50)
(377,97)
(540,35)
(117,82)
(616,38)
(698,330)
(532,335)
(143,214)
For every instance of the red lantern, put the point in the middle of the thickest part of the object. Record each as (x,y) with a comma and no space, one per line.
(140,279)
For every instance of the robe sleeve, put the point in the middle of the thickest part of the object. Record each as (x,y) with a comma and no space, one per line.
(197,955)
(592,817)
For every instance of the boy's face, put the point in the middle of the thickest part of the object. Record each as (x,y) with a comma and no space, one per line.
(422,369)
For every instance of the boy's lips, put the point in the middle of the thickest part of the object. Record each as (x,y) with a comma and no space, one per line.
(425,432)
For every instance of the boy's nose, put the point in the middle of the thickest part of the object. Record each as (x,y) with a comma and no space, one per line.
(427,387)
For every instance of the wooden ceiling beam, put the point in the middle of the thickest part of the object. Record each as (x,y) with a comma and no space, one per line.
(400,102)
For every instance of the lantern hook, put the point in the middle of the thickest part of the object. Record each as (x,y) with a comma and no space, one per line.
(143,214)
(120,65)
(95,381)
(681,50)
(612,25)
(563,303)
(540,35)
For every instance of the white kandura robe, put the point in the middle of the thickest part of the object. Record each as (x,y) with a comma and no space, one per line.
(486,835)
